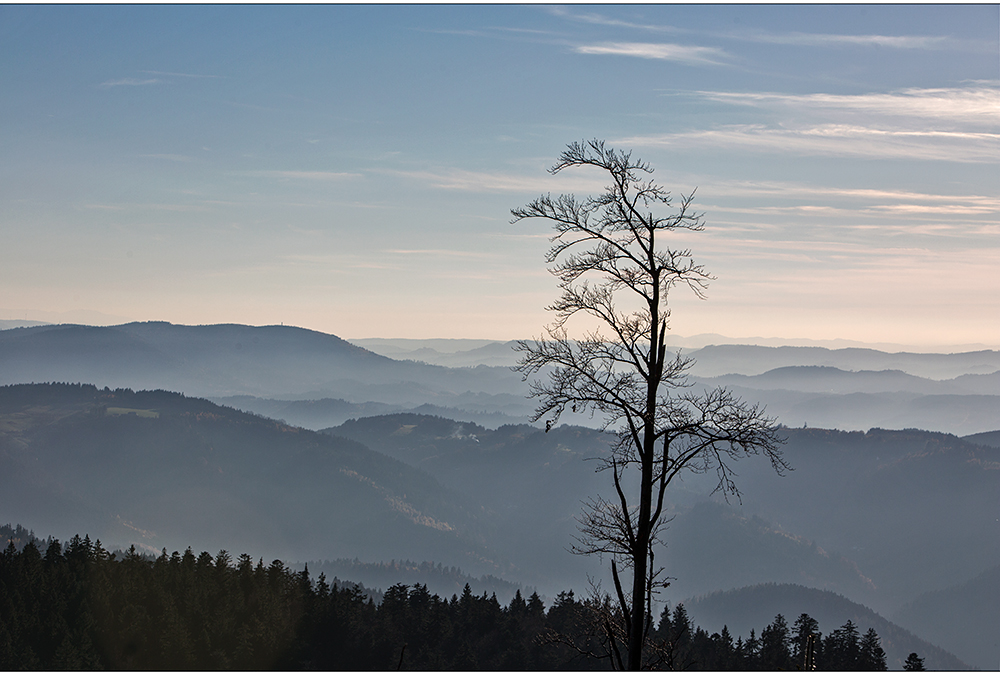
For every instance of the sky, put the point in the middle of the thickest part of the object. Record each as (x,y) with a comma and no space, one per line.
(351,169)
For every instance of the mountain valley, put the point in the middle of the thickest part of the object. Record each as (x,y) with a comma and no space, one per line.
(437,465)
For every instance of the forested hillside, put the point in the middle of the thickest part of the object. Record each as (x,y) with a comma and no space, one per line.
(80,607)
(157,468)
(877,516)
(813,526)
(963,617)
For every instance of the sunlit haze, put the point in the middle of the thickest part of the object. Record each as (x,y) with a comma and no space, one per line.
(351,169)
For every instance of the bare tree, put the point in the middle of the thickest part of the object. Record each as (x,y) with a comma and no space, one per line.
(609,252)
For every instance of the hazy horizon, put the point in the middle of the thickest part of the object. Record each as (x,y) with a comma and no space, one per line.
(462,343)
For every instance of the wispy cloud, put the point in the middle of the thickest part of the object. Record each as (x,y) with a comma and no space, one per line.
(859,253)
(793,38)
(691,54)
(761,188)
(890,203)
(937,209)
(838,140)
(957,124)
(959,219)
(977,104)
(104,207)
(478,181)
(834,40)
(171,158)
(601,20)
(146,207)
(526,31)
(163,72)
(442,253)
(129,82)
(449,31)
(304,175)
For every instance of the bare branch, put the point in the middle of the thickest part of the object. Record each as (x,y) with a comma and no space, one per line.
(609,251)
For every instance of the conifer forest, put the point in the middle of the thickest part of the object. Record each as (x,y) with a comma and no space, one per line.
(81,607)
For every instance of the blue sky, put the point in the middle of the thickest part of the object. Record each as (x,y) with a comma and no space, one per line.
(352,168)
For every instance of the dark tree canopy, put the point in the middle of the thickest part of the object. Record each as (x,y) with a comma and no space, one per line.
(81,607)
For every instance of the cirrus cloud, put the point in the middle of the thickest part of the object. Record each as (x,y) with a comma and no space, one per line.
(838,140)
(977,104)
(690,54)
(304,175)
(129,82)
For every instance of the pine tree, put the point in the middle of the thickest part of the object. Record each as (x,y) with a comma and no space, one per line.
(680,626)
(774,646)
(726,651)
(871,656)
(806,643)
(535,605)
(751,652)
(841,648)
(914,662)
(517,607)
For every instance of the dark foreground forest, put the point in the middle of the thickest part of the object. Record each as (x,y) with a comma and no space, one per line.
(80,607)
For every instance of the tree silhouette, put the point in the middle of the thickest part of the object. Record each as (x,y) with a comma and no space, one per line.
(841,648)
(806,642)
(609,252)
(775,652)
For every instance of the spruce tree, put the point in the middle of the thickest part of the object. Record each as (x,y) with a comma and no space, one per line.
(841,648)
(806,643)
(774,646)
(871,656)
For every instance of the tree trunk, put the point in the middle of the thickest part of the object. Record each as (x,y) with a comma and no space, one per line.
(641,561)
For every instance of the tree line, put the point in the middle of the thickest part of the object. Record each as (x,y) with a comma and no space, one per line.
(80,607)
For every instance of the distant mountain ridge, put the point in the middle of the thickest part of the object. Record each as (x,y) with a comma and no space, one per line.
(831,380)
(328,412)
(404,348)
(849,388)
(717,360)
(237,360)
(991,438)
(830,397)
(151,354)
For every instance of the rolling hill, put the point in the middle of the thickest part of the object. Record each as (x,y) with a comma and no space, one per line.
(163,470)
(716,360)
(853,389)
(814,526)
(965,617)
(236,360)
